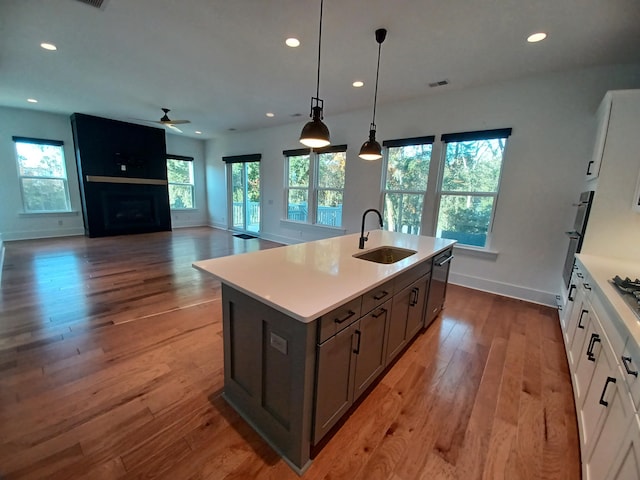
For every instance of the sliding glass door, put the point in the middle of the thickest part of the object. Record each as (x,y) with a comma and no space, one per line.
(244,195)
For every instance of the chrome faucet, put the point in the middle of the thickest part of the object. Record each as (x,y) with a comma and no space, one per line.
(362,237)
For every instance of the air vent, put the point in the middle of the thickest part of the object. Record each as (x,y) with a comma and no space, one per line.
(296,114)
(101,4)
(441,83)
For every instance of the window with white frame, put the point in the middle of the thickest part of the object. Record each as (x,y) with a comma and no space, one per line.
(406,174)
(314,185)
(469,185)
(42,174)
(181,182)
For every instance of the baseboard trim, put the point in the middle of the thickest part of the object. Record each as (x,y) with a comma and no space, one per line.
(38,234)
(504,289)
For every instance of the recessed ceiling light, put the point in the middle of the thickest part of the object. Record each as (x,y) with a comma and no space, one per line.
(270,115)
(198,132)
(292,42)
(358,83)
(48,46)
(32,100)
(536,37)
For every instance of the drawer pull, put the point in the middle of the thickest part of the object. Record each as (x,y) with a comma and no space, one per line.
(381,295)
(414,297)
(626,361)
(586,286)
(357,349)
(592,343)
(379,313)
(580,319)
(604,390)
(580,275)
(589,172)
(571,289)
(349,314)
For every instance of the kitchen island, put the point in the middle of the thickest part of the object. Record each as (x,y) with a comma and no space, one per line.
(309,327)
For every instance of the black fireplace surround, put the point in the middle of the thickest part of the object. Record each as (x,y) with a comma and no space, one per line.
(122,173)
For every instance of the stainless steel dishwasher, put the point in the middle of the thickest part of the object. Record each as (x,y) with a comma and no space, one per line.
(438,288)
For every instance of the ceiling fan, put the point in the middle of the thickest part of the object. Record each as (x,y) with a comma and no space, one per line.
(165,120)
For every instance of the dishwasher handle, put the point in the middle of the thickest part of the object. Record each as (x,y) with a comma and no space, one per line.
(445,261)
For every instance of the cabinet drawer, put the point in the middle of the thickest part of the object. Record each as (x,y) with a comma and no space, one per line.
(377,296)
(340,318)
(407,278)
(630,362)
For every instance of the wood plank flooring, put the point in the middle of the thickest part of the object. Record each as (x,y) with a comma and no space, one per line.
(111,367)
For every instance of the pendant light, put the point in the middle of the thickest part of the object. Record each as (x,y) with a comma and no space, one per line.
(371,149)
(315,134)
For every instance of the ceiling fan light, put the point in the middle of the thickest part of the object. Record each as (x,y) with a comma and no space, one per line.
(371,149)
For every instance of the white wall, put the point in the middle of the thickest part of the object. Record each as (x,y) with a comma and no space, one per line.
(16,225)
(553,121)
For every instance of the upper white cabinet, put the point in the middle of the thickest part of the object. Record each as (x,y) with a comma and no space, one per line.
(603,115)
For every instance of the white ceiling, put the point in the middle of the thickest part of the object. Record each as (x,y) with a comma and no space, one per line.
(223,63)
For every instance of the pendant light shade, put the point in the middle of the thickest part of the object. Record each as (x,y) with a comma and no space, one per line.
(371,149)
(315,133)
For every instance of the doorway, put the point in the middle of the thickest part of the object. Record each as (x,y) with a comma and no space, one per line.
(244,196)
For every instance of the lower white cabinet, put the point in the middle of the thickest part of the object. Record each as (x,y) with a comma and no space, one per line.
(626,463)
(603,359)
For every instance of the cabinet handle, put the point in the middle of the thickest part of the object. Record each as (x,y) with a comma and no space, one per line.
(604,390)
(589,168)
(414,297)
(381,295)
(446,260)
(379,313)
(346,317)
(580,319)
(357,349)
(579,275)
(594,338)
(571,289)
(586,286)
(626,361)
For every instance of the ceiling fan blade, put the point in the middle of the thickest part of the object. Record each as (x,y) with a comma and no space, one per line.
(176,122)
(173,127)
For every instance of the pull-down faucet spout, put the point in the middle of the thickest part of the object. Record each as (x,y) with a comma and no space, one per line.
(362,237)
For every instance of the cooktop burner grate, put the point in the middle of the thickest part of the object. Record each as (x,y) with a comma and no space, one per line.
(630,291)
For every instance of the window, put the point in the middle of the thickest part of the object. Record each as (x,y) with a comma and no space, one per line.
(405,183)
(43,175)
(470,173)
(181,186)
(314,185)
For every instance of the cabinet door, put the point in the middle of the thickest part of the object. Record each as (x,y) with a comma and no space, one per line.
(626,464)
(586,357)
(396,338)
(334,380)
(415,315)
(606,415)
(603,117)
(370,351)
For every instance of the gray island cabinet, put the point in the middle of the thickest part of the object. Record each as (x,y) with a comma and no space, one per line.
(308,328)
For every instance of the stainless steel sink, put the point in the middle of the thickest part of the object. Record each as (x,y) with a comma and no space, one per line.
(385,254)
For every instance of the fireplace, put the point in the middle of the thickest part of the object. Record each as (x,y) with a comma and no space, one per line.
(122,173)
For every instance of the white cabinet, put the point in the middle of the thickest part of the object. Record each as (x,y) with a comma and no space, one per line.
(604,359)
(626,464)
(603,116)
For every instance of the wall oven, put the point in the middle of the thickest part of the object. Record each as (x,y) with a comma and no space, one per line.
(576,235)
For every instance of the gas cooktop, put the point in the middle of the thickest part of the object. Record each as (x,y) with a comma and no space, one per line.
(630,291)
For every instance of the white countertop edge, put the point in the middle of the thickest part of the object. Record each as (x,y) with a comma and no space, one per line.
(235,270)
(603,269)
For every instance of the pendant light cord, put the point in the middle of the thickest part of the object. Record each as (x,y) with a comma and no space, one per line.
(319,46)
(375,95)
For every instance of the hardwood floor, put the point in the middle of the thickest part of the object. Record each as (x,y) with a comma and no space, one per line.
(111,367)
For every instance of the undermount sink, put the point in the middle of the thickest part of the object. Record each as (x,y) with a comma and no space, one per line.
(385,254)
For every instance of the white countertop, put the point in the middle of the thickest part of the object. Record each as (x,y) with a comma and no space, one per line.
(603,269)
(310,279)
